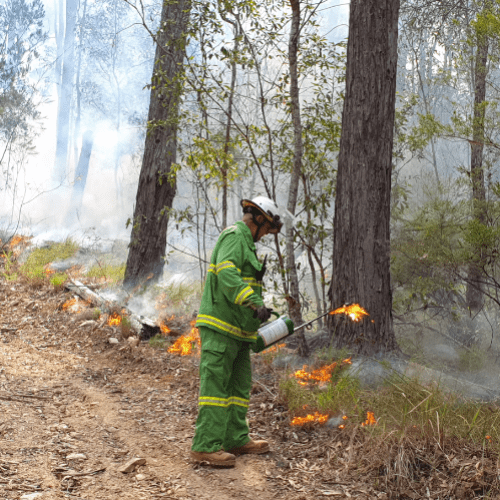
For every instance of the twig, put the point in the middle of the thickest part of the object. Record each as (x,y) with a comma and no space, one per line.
(70,474)
(33,396)
(266,388)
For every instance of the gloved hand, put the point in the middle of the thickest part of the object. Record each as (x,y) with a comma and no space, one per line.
(260,274)
(262,313)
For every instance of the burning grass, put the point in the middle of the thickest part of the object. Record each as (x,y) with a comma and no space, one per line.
(402,406)
(185,343)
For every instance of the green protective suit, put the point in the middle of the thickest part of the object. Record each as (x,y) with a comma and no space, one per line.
(231,286)
(227,330)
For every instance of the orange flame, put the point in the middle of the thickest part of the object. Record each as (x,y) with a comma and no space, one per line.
(74,305)
(354,311)
(49,270)
(69,303)
(323,374)
(184,344)
(164,329)
(341,426)
(370,419)
(273,348)
(317,417)
(16,240)
(114,319)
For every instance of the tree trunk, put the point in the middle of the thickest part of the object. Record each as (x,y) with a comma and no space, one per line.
(78,118)
(59,35)
(474,293)
(229,117)
(82,169)
(294,306)
(361,243)
(64,107)
(155,193)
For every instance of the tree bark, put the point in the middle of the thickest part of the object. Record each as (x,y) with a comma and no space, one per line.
(361,245)
(82,169)
(294,306)
(155,193)
(474,292)
(229,115)
(66,92)
(59,35)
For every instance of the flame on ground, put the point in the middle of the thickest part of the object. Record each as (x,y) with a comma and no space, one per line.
(184,344)
(316,417)
(354,311)
(16,240)
(114,319)
(74,305)
(273,348)
(370,419)
(164,327)
(323,374)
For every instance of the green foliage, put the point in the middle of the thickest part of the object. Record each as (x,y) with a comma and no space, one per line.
(9,266)
(34,269)
(178,296)
(159,342)
(110,273)
(472,360)
(57,280)
(126,327)
(428,249)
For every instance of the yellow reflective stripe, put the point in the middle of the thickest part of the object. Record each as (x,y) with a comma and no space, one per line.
(239,402)
(243,295)
(216,268)
(213,399)
(226,327)
(252,281)
(204,401)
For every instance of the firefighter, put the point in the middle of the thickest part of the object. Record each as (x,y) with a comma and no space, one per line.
(230,314)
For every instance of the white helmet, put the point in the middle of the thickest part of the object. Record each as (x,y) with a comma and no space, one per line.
(267,208)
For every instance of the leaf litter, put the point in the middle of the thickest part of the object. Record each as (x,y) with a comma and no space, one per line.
(67,393)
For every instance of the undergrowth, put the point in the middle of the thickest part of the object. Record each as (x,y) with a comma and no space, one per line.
(401,406)
(36,268)
(108,272)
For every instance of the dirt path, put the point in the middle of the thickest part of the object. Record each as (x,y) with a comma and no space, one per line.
(74,409)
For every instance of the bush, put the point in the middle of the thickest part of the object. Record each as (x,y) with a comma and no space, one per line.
(35,267)
(108,272)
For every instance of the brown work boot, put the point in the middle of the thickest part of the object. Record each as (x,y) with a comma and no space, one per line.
(252,447)
(219,458)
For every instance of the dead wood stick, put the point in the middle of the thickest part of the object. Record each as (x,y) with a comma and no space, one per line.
(33,396)
(266,388)
(6,398)
(137,322)
(77,474)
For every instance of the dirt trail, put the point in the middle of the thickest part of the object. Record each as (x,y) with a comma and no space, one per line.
(74,409)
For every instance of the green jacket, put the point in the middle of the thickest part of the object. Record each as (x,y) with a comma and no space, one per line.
(231,286)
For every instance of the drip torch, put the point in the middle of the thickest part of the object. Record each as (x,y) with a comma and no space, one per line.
(279,329)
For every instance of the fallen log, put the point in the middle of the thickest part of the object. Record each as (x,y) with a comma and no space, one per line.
(144,327)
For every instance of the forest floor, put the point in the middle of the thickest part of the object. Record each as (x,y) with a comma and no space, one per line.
(74,409)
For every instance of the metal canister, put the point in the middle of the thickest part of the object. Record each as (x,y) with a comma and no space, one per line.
(273,332)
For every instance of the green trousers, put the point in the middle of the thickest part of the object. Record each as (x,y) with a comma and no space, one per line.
(225,383)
